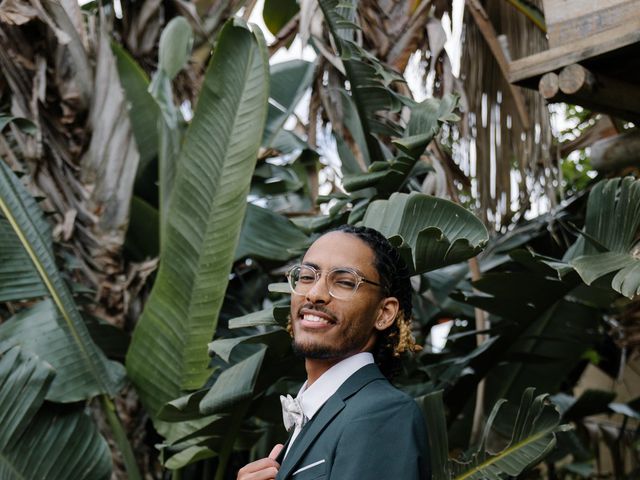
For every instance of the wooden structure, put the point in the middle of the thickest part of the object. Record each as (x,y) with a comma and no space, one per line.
(593,59)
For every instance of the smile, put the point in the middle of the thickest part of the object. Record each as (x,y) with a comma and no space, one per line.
(315,319)
(312,319)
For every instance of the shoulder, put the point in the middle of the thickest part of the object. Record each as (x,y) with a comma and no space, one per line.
(379,397)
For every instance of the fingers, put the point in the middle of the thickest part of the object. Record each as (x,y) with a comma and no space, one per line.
(275,451)
(268,473)
(263,469)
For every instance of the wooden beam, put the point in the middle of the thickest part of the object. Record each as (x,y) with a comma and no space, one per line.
(549,86)
(532,67)
(616,153)
(600,93)
(576,79)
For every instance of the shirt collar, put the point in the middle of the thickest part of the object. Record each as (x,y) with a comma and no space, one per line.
(313,397)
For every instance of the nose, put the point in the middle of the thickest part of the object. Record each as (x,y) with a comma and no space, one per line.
(319,292)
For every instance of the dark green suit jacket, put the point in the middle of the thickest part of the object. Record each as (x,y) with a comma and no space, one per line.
(367,430)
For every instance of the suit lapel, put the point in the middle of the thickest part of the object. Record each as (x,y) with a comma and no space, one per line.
(282,453)
(309,433)
(326,414)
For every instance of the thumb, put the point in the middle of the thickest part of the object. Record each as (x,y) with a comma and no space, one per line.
(275,451)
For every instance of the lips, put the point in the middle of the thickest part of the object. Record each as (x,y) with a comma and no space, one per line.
(314,318)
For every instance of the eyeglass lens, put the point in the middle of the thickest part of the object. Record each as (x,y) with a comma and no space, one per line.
(341,283)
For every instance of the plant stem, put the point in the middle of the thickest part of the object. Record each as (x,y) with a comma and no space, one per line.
(121,438)
(176,474)
(230,439)
(481,326)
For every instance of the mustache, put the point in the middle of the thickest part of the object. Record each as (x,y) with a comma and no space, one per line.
(317,308)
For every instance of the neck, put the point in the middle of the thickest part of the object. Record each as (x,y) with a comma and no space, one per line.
(316,367)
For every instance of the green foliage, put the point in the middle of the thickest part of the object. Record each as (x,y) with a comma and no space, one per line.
(19,278)
(276,13)
(168,351)
(288,82)
(610,235)
(175,46)
(532,437)
(144,112)
(269,236)
(175,43)
(37,330)
(28,223)
(437,232)
(218,255)
(38,441)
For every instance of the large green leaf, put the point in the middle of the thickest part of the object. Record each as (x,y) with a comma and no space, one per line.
(37,331)
(289,81)
(234,384)
(532,438)
(38,441)
(437,232)
(143,235)
(168,352)
(368,79)
(143,112)
(558,340)
(276,13)
(269,236)
(256,362)
(175,41)
(19,280)
(612,220)
(27,221)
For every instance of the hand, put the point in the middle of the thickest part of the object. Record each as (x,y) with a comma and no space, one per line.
(263,469)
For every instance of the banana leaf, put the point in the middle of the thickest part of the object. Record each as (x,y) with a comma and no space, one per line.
(168,352)
(36,330)
(533,436)
(174,48)
(612,222)
(267,235)
(144,112)
(92,369)
(289,81)
(38,440)
(368,79)
(432,232)
(19,279)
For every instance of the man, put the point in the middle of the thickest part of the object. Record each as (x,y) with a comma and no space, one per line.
(350,319)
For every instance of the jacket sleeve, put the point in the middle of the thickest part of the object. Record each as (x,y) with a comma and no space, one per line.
(383,445)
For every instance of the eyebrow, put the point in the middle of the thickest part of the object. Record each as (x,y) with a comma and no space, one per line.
(317,267)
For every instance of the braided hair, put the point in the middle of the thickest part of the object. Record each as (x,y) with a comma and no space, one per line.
(394,277)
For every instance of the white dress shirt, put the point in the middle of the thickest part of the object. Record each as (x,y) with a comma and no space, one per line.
(316,395)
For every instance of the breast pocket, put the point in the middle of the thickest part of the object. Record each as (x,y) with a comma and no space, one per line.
(310,471)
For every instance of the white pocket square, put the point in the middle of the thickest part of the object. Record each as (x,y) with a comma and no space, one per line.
(307,467)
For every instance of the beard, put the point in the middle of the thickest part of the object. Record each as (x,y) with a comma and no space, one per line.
(351,342)
(316,352)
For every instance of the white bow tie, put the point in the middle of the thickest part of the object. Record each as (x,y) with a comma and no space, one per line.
(292,414)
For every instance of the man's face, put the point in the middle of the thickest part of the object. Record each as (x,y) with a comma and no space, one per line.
(328,328)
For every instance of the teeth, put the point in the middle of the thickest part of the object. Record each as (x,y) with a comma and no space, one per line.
(314,318)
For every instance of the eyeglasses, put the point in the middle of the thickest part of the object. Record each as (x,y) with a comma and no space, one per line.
(341,282)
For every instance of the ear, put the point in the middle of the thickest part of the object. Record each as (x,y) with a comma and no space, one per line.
(387,313)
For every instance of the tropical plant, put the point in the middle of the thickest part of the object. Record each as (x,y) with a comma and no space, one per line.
(532,438)
(168,351)
(38,441)
(170,161)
